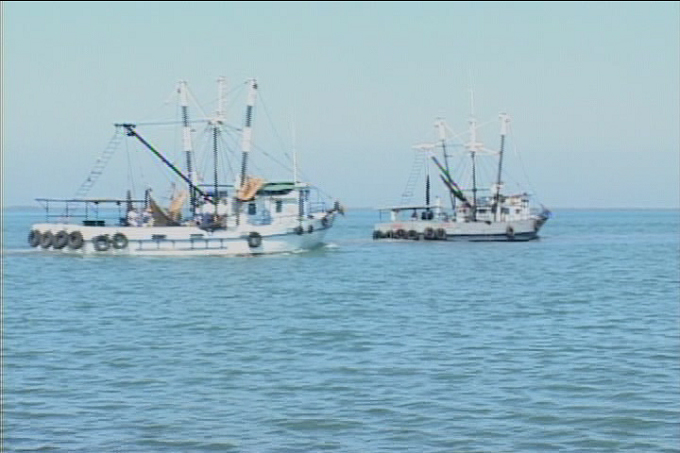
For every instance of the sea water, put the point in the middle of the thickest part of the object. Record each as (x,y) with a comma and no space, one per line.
(570,343)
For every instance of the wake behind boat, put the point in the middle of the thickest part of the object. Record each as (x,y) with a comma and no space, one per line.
(247,217)
(475,213)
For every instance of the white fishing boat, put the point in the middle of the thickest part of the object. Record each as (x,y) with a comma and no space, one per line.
(472,212)
(246,216)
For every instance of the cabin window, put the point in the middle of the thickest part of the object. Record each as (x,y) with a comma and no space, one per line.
(279,205)
(252,209)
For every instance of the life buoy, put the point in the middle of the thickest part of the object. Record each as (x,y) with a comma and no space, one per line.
(510,232)
(75,240)
(101,243)
(440,234)
(254,240)
(413,234)
(60,240)
(46,239)
(34,238)
(400,234)
(310,229)
(429,233)
(119,241)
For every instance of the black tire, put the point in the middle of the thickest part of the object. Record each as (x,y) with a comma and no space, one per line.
(429,233)
(377,234)
(298,230)
(34,238)
(60,240)
(46,239)
(324,222)
(119,241)
(101,243)
(400,234)
(413,235)
(310,229)
(254,240)
(75,240)
(440,234)
(510,232)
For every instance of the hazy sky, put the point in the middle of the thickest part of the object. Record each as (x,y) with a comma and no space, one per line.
(593,89)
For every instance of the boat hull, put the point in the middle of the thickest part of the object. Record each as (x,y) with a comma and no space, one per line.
(515,231)
(179,240)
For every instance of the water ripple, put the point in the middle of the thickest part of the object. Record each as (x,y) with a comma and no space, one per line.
(571,343)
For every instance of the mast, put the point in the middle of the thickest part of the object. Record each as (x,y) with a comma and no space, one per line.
(473,147)
(247,130)
(504,131)
(441,128)
(186,140)
(427,190)
(427,180)
(217,121)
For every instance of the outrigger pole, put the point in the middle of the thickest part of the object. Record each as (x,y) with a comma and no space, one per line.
(450,183)
(441,127)
(131,132)
(504,131)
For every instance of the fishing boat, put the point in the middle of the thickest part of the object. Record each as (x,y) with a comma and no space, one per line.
(470,212)
(240,214)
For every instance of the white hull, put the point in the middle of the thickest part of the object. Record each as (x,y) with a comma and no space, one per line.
(186,240)
(515,230)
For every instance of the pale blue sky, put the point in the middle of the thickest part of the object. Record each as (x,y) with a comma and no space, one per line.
(593,89)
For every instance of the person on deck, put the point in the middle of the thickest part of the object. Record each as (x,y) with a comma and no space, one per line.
(133,218)
(147,218)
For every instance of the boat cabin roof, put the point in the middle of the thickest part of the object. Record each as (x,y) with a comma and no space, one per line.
(408,207)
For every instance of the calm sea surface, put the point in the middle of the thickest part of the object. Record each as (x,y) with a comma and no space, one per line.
(570,343)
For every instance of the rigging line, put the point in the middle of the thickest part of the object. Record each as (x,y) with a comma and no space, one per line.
(172,94)
(521,162)
(196,103)
(230,105)
(277,161)
(283,146)
(271,124)
(206,151)
(228,152)
(225,157)
(458,136)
